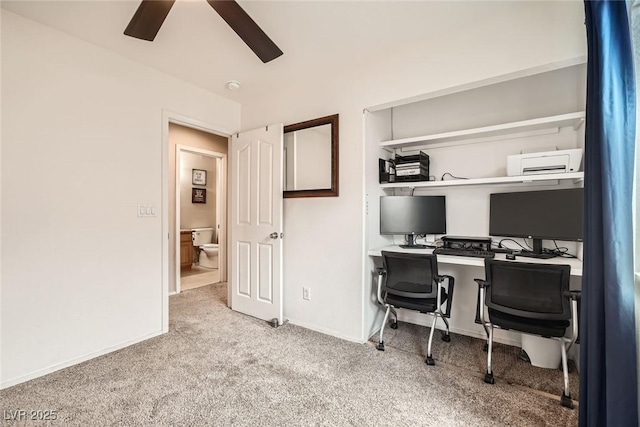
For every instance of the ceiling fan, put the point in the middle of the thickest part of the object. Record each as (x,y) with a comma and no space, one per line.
(148,19)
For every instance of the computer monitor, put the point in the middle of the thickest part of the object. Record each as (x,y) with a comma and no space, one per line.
(538,215)
(412,215)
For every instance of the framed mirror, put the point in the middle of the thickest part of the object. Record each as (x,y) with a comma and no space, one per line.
(311,158)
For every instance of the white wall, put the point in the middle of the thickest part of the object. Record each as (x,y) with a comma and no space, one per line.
(81,148)
(323,245)
(1,97)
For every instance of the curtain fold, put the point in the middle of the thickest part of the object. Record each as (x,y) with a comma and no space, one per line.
(608,350)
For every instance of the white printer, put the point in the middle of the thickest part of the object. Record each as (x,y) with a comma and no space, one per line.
(559,161)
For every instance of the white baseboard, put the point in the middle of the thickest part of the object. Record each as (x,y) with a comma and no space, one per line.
(57,367)
(326,331)
(173,293)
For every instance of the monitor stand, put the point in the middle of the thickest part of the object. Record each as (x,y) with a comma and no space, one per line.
(537,251)
(411,243)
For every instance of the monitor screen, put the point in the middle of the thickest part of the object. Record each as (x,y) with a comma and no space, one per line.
(553,215)
(412,215)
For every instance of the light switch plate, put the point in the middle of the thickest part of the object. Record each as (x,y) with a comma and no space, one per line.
(147,210)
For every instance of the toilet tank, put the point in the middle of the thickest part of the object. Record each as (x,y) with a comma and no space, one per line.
(200,236)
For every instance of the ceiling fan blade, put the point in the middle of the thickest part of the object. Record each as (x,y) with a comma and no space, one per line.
(148,19)
(247,29)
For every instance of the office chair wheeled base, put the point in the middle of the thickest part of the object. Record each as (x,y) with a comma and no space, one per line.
(446,337)
(485,348)
(429,361)
(488,378)
(380,346)
(394,325)
(566,401)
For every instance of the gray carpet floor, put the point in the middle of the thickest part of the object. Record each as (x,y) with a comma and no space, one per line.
(218,367)
(466,352)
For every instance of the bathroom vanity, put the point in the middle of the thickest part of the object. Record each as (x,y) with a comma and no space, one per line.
(186,250)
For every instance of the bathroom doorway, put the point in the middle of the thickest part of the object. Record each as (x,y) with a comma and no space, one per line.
(200,217)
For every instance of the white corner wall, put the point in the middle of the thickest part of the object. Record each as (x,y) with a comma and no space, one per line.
(81,148)
(324,237)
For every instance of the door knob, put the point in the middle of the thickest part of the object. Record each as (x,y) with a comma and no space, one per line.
(273,235)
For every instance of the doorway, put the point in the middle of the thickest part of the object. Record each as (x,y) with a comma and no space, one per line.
(199,217)
(197,165)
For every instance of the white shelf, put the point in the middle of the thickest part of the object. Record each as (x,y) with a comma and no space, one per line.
(576,176)
(571,119)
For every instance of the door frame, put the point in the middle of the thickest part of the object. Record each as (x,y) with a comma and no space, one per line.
(183,120)
(221,207)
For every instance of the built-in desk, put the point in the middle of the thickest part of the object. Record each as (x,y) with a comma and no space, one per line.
(576,264)
(464,270)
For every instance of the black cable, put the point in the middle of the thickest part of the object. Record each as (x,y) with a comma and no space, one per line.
(510,240)
(558,251)
(561,251)
(433,244)
(451,175)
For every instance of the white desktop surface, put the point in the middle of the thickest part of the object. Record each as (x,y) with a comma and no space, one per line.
(576,264)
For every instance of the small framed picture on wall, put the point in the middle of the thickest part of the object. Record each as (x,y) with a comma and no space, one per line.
(198,195)
(198,177)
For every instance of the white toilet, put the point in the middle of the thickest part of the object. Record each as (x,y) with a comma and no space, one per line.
(208,252)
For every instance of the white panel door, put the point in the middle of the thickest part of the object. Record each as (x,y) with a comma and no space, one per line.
(256,223)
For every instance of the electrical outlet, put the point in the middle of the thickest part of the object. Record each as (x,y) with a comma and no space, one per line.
(306,294)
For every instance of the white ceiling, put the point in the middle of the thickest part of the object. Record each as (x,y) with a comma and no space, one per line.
(318,38)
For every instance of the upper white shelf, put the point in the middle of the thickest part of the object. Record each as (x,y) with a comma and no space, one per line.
(524,179)
(563,120)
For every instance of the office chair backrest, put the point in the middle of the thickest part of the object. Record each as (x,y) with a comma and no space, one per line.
(416,272)
(528,290)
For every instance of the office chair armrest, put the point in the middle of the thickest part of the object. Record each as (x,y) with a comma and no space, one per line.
(573,295)
(451,282)
(482,283)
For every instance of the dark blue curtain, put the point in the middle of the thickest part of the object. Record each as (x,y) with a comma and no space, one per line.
(608,364)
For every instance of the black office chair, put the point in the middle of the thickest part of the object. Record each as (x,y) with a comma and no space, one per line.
(411,281)
(531,298)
